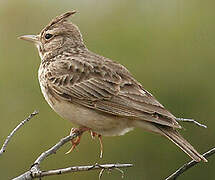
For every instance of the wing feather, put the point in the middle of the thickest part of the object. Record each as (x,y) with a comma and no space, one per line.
(105,90)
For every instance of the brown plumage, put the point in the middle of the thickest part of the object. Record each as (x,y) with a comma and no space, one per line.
(95,92)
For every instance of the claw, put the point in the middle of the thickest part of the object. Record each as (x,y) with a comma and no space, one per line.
(76,141)
(93,134)
(71,149)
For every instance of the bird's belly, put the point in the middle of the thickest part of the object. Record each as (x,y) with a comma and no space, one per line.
(99,122)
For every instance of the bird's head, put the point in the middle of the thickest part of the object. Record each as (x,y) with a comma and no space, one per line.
(58,36)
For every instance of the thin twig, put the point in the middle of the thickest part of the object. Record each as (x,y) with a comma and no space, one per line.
(78,168)
(121,171)
(3,149)
(35,171)
(101,173)
(192,121)
(188,165)
(53,149)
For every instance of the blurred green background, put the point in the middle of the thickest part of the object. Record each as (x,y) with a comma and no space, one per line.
(168,45)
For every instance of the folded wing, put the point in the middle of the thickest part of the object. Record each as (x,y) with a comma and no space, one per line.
(99,87)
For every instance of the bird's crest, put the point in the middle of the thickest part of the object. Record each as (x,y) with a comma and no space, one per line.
(61,18)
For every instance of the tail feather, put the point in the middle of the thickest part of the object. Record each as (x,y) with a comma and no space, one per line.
(176,138)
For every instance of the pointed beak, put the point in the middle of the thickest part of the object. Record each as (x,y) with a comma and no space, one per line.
(31,38)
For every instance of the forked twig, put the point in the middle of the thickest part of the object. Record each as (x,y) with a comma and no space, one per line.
(35,171)
(33,175)
(188,165)
(114,166)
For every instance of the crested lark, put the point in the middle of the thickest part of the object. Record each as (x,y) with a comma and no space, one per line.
(95,92)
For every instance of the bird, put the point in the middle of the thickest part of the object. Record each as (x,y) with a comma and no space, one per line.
(95,93)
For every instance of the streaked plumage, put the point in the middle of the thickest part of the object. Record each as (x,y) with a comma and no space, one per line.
(95,92)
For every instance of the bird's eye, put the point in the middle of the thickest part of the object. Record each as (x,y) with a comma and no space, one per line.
(48,36)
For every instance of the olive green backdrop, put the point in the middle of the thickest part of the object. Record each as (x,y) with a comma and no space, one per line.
(168,45)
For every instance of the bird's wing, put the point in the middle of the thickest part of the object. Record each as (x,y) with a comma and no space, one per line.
(106,87)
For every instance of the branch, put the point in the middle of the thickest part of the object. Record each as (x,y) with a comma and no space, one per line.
(192,121)
(3,149)
(32,175)
(35,171)
(188,165)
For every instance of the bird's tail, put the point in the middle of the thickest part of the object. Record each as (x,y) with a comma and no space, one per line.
(176,138)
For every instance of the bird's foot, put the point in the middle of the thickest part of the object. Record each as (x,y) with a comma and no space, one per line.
(76,141)
(93,134)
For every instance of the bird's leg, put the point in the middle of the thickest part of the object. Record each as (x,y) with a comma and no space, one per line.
(93,134)
(76,140)
(101,145)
